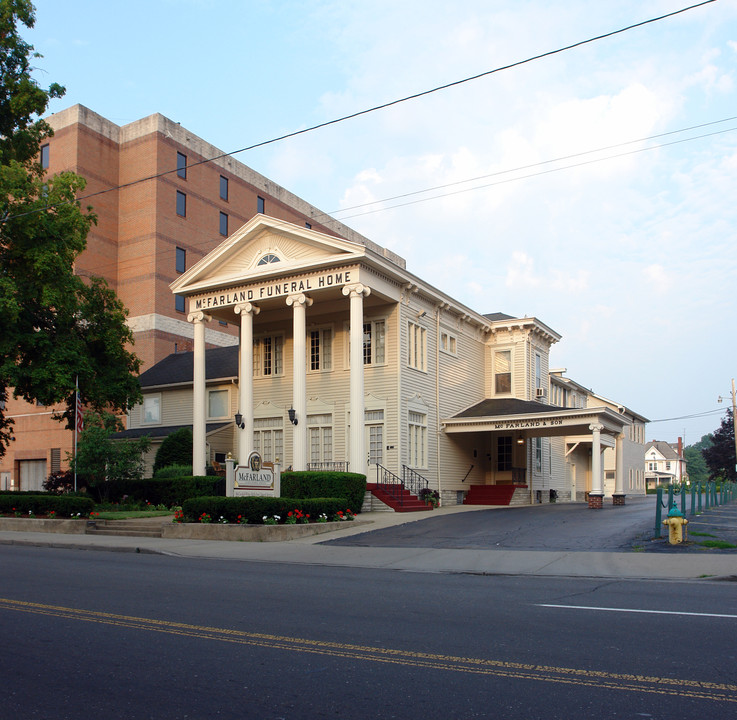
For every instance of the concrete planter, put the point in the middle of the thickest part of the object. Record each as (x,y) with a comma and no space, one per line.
(22,524)
(247,533)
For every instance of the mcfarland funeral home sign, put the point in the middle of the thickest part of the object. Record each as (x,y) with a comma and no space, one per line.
(256,478)
(254,293)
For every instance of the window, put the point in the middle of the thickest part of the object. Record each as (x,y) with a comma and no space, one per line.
(321,349)
(223,188)
(55,460)
(217,404)
(416,347)
(308,226)
(181,260)
(180,304)
(667,465)
(538,454)
(182,165)
(417,439)
(268,438)
(181,204)
(268,356)
(448,343)
(224,224)
(152,409)
(503,371)
(373,342)
(320,429)
(504,453)
(45,156)
(260,205)
(538,371)
(268,259)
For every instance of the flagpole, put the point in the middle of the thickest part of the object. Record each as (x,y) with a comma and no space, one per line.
(76,425)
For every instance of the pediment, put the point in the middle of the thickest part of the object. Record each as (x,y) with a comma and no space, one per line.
(264,247)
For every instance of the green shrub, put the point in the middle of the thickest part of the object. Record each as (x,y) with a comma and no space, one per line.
(175,450)
(63,505)
(160,491)
(253,509)
(321,484)
(174,471)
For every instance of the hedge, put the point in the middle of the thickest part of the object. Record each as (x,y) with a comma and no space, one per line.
(321,484)
(159,491)
(253,509)
(43,504)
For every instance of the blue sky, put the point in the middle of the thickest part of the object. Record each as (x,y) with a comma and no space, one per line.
(632,258)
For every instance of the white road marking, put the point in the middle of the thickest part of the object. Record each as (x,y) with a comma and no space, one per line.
(635,610)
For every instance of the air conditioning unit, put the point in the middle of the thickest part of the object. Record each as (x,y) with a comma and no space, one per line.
(540,392)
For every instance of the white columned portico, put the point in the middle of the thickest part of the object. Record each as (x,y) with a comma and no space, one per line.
(299,303)
(358,459)
(618,496)
(199,395)
(247,311)
(596,495)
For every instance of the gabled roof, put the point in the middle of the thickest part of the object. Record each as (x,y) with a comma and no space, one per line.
(506,406)
(236,260)
(664,448)
(178,368)
(161,431)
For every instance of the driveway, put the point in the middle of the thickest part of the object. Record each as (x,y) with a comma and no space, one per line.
(555,526)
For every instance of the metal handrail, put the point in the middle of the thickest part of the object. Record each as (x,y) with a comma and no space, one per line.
(390,483)
(334,466)
(414,482)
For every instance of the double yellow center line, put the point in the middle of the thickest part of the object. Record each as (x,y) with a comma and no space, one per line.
(684,688)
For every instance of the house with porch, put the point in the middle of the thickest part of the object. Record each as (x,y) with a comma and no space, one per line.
(346,358)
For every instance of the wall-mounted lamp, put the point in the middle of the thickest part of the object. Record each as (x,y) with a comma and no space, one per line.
(292,416)
(520,441)
(421,314)
(239,421)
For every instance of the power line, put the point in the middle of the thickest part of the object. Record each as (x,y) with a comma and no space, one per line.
(317,218)
(532,165)
(707,413)
(383,106)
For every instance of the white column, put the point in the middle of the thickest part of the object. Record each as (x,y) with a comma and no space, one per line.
(597,487)
(618,497)
(244,446)
(299,303)
(358,459)
(199,395)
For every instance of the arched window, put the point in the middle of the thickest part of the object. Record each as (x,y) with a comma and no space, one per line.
(268,259)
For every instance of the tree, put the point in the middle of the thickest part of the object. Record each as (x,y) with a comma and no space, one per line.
(55,325)
(176,449)
(100,458)
(720,455)
(695,464)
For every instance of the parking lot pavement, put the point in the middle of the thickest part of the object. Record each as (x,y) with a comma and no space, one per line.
(547,527)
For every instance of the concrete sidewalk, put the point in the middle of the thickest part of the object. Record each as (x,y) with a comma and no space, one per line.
(313,551)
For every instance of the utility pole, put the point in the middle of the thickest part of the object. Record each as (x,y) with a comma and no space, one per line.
(734,421)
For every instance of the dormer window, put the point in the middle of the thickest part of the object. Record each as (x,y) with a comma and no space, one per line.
(268,259)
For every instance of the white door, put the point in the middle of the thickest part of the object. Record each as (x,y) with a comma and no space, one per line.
(572,467)
(374,449)
(32,474)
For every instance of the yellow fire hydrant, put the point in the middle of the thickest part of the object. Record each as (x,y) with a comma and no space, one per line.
(676,523)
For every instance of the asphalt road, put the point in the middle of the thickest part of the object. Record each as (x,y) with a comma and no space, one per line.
(121,635)
(551,526)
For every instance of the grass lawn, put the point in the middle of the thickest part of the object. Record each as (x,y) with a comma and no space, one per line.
(127,514)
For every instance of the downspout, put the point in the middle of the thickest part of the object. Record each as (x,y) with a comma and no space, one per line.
(437,397)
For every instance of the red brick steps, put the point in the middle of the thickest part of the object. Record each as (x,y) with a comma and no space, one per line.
(398,499)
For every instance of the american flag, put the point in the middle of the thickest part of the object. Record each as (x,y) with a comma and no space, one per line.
(79,417)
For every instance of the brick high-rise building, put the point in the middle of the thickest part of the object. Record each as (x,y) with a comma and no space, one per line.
(163,198)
